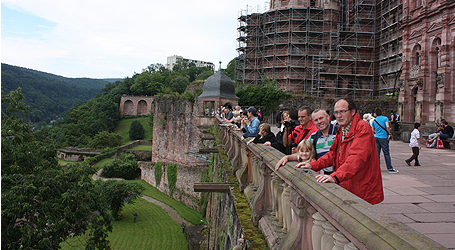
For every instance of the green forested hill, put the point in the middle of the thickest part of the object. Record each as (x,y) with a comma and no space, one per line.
(48,97)
(81,81)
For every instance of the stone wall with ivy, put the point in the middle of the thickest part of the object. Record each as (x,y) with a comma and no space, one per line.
(175,180)
(229,214)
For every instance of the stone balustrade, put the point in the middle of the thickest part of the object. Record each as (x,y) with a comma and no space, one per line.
(295,212)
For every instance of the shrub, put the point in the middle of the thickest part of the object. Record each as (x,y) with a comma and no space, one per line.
(124,167)
(172,177)
(105,139)
(136,132)
(158,173)
(118,193)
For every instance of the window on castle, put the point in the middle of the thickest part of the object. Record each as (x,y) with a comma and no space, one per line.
(417,58)
(437,58)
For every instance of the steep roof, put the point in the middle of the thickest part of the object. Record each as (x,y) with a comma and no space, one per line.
(219,85)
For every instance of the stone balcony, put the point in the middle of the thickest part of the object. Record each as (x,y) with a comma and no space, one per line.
(293,211)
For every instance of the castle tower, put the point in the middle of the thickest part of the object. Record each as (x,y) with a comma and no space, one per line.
(218,90)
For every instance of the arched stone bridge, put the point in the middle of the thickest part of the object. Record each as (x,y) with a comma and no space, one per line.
(135,105)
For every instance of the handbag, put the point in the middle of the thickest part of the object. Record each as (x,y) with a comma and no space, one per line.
(440,144)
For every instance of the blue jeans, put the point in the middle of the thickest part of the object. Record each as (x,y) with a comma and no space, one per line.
(444,136)
(384,144)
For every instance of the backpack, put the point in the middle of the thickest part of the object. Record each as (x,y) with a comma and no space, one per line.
(397,117)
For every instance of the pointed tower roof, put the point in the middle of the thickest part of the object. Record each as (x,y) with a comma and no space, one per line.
(219,85)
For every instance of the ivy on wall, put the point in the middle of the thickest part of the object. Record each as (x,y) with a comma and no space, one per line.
(172,177)
(158,172)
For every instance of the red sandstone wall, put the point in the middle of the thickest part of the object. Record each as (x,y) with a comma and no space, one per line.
(135,105)
(428,29)
(175,132)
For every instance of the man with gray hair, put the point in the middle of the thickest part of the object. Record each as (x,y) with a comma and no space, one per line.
(322,140)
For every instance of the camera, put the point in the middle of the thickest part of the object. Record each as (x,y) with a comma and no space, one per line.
(291,123)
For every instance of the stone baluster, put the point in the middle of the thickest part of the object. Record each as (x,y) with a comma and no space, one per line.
(286,201)
(350,246)
(317,231)
(279,212)
(255,171)
(327,236)
(244,156)
(274,199)
(229,144)
(237,161)
(262,202)
(299,233)
(340,241)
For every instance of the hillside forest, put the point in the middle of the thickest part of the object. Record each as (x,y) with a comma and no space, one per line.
(45,203)
(47,95)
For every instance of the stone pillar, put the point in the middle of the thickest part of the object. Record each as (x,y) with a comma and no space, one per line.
(327,236)
(286,201)
(350,246)
(273,184)
(279,213)
(340,241)
(255,171)
(316,231)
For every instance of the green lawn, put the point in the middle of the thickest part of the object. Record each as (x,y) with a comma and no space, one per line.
(60,161)
(100,164)
(185,212)
(154,229)
(124,127)
(142,147)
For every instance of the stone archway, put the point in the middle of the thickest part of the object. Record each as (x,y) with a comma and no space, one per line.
(142,107)
(135,105)
(128,108)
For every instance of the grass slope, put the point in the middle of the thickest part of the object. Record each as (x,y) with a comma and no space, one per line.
(124,125)
(154,229)
(185,212)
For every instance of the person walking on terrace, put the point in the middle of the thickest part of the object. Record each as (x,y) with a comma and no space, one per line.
(353,155)
(382,134)
(415,145)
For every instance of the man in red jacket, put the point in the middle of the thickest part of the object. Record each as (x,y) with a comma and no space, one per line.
(353,155)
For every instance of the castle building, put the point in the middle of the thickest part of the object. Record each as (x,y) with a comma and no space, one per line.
(427,90)
(335,48)
(171,60)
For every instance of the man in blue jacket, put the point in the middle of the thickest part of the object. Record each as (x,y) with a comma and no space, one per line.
(250,125)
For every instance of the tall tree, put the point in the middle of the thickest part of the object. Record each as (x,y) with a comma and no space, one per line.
(119,193)
(265,96)
(230,69)
(137,131)
(43,203)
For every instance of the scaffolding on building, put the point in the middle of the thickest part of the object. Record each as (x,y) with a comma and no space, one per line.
(330,50)
(390,49)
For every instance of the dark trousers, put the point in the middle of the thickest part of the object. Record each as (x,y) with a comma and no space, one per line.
(383,143)
(415,156)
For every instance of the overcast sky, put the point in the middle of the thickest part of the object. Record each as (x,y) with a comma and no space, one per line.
(114,39)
